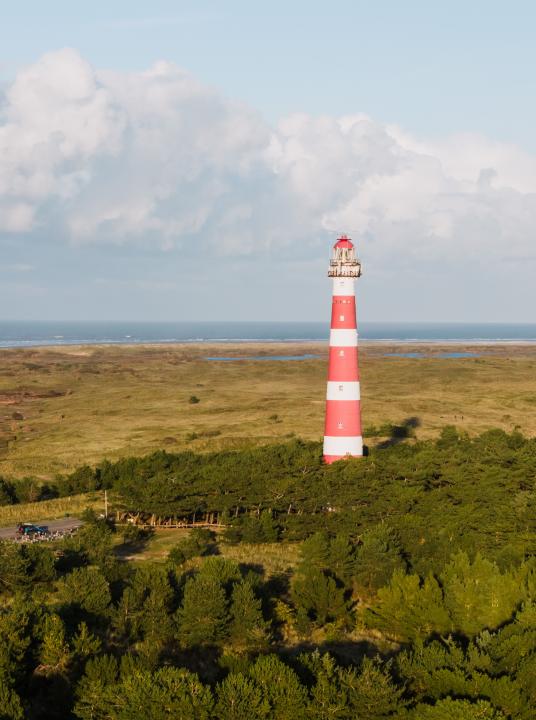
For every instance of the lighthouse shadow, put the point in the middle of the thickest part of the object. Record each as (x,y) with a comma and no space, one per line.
(399,433)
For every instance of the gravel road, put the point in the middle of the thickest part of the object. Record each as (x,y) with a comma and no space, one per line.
(64,525)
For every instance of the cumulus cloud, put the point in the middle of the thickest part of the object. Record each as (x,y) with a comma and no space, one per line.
(156,157)
(55,119)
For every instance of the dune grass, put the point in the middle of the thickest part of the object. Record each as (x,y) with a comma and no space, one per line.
(50,509)
(273,558)
(62,407)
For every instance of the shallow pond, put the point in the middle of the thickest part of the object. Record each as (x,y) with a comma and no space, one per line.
(224,358)
(441,355)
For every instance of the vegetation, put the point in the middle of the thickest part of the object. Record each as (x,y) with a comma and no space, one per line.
(49,509)
(65,407)
(408,505)
(408,590)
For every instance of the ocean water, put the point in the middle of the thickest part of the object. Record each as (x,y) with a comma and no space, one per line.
(28,334)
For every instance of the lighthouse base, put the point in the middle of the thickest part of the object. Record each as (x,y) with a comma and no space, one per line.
(328,459)
(339,448)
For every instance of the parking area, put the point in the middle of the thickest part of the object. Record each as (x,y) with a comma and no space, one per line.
(55,529)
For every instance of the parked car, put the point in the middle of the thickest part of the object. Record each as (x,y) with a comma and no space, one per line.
(31,529)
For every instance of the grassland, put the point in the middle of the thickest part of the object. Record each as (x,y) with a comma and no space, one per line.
(50,509)
(62,407)
(275,558)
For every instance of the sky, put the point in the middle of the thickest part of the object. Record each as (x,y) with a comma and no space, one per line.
(196,160)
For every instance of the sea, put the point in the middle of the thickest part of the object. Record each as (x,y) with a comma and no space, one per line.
(34,334)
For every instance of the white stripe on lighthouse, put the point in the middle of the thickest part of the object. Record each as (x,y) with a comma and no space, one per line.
(343,338)
(343,286)
(341,446)
(343,391)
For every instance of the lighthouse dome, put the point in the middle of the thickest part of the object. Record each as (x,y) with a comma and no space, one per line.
(344,242)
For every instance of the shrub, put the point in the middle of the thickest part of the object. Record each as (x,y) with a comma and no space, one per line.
(198,543)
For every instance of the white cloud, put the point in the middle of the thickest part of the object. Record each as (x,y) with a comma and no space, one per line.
(56,119)
(156,157)
(16,217)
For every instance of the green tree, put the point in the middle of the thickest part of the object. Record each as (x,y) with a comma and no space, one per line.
(269,527)
(203,613)
(378,557)
(449,709)
(84,643)
(342,558)
(318,598)
(262,529)
(42,562)
(161,695)
(96,690)
(54,654)
(14,567)
(511,649)
(144,612)
(16,627)
(199,542)
(28,490)
(87,589)
(477,595)
(444,669)
(225,571)
(372,693)
(315,552)
(280,688)
(344,693)
(525,675)
(434,670)
(239,698)
(247,627)
(84,479)
(10,704)
(408,608)
(95,540)
(135,537)
(7,492)
(328,700)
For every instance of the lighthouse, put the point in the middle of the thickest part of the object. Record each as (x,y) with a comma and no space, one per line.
(342,436)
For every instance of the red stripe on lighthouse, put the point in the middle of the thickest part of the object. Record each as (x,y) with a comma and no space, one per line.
(343,313)
(342,436)
(343,418)
(343,364)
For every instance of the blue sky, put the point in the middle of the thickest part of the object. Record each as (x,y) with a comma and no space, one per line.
(408,124)
(431,67)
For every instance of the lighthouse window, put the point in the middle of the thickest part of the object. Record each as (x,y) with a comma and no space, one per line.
(341,388)
(341,317)
(341,353)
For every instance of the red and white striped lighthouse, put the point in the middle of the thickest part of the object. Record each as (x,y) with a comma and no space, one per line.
(342,436)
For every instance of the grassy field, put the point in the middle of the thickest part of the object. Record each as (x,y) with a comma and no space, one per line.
(61,407)
(50,509)
(274,558)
